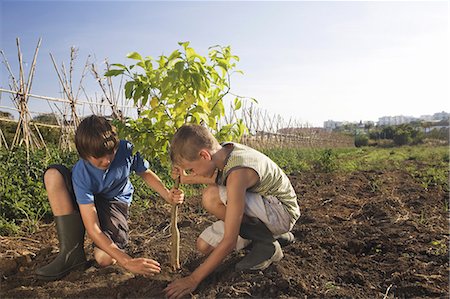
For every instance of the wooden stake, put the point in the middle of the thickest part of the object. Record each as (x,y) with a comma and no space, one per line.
(175,235)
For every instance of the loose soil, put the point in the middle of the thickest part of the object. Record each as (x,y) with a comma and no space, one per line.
(361,235)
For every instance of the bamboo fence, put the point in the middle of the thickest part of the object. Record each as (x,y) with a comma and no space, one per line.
(264,129)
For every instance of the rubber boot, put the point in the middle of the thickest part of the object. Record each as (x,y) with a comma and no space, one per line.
(265,250)
(70,230)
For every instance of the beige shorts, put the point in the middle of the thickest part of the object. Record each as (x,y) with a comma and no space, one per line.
(268,209)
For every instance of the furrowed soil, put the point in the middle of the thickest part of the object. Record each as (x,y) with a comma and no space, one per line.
(375,234)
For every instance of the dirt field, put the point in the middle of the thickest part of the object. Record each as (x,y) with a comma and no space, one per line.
(361,235)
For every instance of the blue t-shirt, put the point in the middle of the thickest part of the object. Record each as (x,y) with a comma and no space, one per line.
(113,183)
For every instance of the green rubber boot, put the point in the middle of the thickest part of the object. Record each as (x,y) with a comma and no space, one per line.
(71,255)
(265,250)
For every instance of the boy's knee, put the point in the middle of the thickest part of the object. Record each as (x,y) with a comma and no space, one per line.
(53,179)
(51,175)
(210,192)
(210,197)
(204,247)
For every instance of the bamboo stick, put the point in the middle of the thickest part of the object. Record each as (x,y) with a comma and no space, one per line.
(3,140)
(52,99)
(175,234)
(8,67)
(33,68)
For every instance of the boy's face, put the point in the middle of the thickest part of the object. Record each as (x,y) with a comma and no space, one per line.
(203,166)
(102,162)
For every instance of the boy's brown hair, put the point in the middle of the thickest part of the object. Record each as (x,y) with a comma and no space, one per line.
(189,140)
(96,137)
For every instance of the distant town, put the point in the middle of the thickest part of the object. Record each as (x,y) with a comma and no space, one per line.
(437,120)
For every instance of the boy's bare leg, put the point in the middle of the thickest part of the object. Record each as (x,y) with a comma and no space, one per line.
(69,227)
(212,203)
(204,247)
(58,196)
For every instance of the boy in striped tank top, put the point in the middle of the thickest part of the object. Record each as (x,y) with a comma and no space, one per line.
(250,195)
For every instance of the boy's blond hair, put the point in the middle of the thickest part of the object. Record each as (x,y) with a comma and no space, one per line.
(96,137)
(189,140)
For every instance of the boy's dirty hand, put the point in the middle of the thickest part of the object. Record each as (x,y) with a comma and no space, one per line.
(180,287)
(143,266)
(176,196)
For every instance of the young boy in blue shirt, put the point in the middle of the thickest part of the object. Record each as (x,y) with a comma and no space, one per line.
(95,197)
(250,195)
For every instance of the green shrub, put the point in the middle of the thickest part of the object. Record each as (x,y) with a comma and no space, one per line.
(289,159)
(326,162)
(23,200)
(361,140)
(402,137)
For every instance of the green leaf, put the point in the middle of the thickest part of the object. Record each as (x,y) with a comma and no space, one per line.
(148,65)
(184,44)
(237,104)
(137,93)
(119,65)
(134,55)
(154,102)
(190,53)
(196,80)
(175,54)
(162,61)
(129,89)
(141,64)
(179,67)
(144,97)
(112,73)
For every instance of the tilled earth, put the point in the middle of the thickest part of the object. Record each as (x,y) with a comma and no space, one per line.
(361,235)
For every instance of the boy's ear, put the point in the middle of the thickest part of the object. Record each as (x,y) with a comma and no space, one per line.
(204,154)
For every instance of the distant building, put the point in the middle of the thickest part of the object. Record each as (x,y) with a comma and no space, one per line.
(331,125)
(441,116)
(435,117)
(395,120)
(426,117)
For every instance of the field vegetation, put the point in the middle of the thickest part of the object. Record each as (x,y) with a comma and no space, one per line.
(24,204)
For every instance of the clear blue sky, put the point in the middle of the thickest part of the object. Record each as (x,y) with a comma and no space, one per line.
(311,60)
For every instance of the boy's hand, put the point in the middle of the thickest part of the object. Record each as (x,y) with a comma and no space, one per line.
(180,287)
(142,266)
(176,196)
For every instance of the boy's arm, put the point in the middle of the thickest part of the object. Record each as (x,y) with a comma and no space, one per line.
(91,223)
(193,178)
(171,196)
(237,184)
